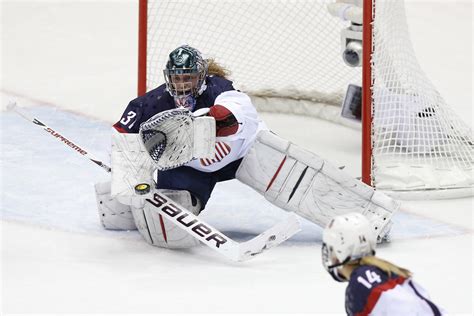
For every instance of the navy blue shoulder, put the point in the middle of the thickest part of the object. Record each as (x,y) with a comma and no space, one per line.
(363,281)
(216,83)
(215,86)
(153,97)
(143,107)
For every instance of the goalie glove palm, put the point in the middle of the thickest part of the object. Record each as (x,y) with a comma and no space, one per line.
(173,138)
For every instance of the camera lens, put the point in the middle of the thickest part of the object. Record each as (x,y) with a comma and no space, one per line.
(353,54)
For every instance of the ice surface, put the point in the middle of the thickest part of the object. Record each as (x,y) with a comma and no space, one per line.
(60,60)
(39,170)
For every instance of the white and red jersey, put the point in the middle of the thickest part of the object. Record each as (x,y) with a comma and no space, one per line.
(372,292)
(233,147)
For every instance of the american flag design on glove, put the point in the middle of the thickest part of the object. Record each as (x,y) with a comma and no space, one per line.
(222,150)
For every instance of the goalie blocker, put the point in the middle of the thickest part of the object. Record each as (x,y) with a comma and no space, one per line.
(299,181)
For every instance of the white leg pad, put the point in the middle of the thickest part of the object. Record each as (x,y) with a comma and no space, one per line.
(158,231)
(113,214)
(297,180)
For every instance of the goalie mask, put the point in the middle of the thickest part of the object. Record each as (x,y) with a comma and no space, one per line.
(346,238)
(185,76)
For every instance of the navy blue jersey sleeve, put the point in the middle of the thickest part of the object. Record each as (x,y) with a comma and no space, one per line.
(363,281)
(142,108)
(215,86)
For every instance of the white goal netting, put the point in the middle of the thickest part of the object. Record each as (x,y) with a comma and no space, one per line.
(287,55)
(419,143)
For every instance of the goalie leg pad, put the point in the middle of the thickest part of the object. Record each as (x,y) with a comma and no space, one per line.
(159,231)
(299,181)
(113,214)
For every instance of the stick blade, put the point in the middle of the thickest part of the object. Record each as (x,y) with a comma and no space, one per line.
(269,238)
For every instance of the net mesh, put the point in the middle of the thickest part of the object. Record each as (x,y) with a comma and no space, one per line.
(285,52)
(418,140)
(288,48)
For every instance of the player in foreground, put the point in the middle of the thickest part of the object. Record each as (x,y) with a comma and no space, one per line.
(376,287)
(197,130)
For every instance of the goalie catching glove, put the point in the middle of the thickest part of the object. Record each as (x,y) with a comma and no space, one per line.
(175,137)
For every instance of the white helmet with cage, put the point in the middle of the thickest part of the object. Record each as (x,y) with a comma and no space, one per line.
(346,238)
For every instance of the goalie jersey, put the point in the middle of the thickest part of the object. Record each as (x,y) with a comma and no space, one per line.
(233,147)
(219,91)
(200,175)
(158,100)
(372,292)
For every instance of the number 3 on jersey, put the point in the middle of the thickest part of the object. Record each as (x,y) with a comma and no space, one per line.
(127,119)
(372,277)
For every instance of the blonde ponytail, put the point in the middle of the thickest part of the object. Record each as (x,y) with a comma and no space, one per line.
(215,69)
(383,265)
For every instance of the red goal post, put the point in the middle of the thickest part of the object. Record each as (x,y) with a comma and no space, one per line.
(366,94)
(142,46)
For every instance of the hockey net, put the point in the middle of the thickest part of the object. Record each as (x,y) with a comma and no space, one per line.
(286,54)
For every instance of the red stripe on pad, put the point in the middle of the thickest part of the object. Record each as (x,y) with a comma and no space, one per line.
(163,229)
(276,174)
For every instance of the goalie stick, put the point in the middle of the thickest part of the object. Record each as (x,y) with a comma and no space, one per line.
(13,107)
(193,225)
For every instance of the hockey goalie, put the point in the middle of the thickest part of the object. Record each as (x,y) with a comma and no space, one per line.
(183,137)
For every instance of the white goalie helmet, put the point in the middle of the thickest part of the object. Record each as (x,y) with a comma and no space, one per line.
(346,238)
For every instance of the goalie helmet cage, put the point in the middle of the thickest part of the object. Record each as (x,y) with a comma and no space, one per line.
(286,54)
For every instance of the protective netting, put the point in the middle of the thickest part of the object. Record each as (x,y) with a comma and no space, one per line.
(287,55)
(290,48)
(419,143)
